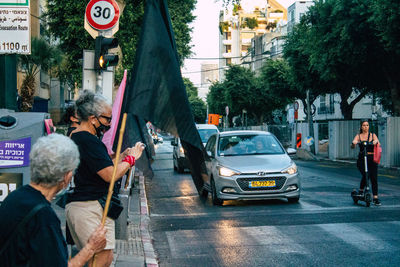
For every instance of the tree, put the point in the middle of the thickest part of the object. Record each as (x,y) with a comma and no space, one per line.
(342,49)
(240,90)
(43,57)
(274,90)
(197,105)
(65,23)
(301,75)
(385,20)
(216,98)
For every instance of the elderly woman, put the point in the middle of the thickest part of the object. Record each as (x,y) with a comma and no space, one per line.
(30,231)
(92,178)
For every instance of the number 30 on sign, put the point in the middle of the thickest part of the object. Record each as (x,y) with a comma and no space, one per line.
(102,14)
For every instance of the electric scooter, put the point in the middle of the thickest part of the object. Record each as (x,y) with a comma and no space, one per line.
(367,195)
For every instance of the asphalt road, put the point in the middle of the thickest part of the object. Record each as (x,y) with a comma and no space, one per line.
(324,229)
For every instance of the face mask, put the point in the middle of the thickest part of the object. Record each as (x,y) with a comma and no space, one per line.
(101,129)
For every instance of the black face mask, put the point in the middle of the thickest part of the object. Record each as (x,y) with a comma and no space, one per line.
(101,129)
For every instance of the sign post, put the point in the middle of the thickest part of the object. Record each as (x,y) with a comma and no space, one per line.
(14,39)
(101,19)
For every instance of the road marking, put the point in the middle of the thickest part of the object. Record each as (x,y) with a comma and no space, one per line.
(310,209)
(389,176)
(359,238)
(328,166)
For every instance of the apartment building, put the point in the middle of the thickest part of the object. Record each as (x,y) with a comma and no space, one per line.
(238,27)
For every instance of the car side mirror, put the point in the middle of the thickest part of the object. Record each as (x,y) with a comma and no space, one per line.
(291,151)
(210,154)
(173,143)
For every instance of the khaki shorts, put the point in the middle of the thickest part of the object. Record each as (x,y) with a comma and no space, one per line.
(83,217)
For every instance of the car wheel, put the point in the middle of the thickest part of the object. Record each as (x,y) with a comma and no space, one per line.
(293,199)
(215,200)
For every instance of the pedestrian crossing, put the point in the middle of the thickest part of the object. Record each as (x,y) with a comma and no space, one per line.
(288,241)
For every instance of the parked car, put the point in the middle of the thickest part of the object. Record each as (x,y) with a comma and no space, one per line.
(179,160)
(246,165)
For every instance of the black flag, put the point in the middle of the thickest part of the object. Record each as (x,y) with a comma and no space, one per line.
(156,91)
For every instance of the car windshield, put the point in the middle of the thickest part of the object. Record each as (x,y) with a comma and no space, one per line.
(238,145)
(206,133)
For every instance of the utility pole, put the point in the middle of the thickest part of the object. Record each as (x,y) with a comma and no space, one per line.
(310,122)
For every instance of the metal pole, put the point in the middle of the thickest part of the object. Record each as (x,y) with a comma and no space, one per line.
(310,122)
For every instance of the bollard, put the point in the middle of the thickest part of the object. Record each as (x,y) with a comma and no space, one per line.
(298,140)
(121,224)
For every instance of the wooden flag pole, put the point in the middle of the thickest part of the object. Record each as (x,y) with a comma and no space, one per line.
(112,182)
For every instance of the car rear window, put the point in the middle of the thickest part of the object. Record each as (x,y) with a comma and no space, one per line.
(206,133)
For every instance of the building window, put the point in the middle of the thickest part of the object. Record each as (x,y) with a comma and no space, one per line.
(228,35)
(228,61)
(228,49)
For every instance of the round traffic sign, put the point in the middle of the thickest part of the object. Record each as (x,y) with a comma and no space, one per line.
(309,141)
(102,14)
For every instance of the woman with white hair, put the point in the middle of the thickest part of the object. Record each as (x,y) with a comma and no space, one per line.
(93,176)
(30,231)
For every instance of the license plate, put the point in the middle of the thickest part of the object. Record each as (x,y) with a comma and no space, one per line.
(253,184)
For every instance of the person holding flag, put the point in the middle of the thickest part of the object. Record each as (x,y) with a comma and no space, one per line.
(93,176)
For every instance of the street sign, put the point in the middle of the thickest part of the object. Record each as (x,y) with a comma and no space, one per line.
(102,15)
(15,27)
(309,141)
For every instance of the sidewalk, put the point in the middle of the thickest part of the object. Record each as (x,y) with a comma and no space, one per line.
(137,250)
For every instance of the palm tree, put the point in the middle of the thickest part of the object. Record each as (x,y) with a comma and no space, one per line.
(43,57)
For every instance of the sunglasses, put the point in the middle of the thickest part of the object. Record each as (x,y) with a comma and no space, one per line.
(107,118)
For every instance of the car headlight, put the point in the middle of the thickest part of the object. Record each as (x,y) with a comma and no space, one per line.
(223,171)
(181,150)
(292,169)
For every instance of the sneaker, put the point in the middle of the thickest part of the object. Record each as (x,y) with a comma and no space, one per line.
(377,202)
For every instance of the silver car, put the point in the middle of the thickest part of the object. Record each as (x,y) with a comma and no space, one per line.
(250,165)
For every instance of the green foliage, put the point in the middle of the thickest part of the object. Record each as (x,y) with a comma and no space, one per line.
(216,98)
(250,23)
(339,50)
(197,105)
(65,21)
(239,89)
(385,19)
(43,57)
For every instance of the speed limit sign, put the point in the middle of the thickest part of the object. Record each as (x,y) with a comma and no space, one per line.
(102,14)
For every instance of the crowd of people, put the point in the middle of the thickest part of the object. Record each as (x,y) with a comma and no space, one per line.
(30,231)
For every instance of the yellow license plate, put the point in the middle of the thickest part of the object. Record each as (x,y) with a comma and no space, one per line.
(262,183)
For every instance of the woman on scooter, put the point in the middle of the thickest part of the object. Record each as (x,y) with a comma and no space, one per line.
(371,139)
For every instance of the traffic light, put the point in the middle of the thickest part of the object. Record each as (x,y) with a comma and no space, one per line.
(102,59)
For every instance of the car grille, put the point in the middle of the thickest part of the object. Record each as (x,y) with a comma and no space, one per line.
(244,183)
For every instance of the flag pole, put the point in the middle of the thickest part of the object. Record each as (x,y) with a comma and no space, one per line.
(111,187)
(112,182)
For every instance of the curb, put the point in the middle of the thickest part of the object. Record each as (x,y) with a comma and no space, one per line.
(150,258)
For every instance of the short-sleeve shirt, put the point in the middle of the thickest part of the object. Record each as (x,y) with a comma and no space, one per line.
(41,242)
(93,158)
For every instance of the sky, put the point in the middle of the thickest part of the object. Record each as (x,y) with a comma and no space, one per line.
(205,35)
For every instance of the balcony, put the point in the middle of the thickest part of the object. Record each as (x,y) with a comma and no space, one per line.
(326,110)
(227,42)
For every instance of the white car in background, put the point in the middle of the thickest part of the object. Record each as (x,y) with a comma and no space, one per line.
(179,159)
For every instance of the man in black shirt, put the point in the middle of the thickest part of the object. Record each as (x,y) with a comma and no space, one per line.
(39,241)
